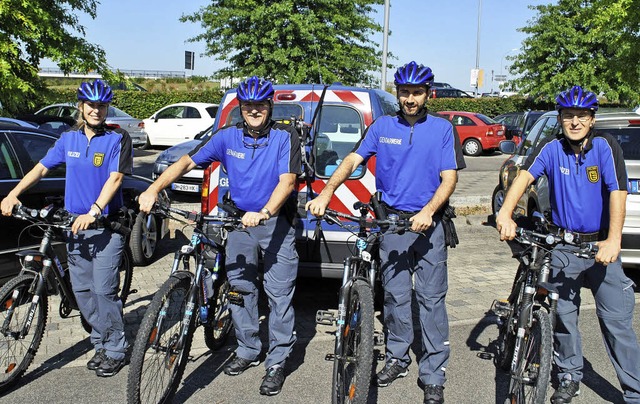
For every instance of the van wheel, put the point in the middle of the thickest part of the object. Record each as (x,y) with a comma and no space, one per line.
(472,147)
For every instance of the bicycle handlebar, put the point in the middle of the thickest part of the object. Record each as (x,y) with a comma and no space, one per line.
(528,237)
(332,216)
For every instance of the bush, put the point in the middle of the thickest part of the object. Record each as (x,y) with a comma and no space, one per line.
(139,104)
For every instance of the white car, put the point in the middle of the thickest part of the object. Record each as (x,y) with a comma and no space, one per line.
(115,117)
(177,123)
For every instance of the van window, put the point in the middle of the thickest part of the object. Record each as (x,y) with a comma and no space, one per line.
(281,111)
(338,130)
(389,102)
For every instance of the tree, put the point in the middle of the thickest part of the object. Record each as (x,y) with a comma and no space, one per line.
(592,43)
(291,41)
(31,30)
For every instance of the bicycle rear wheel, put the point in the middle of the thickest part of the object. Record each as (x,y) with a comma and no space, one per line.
(529,384)
(157,364)
(219,325)
(16,353)
(352,366)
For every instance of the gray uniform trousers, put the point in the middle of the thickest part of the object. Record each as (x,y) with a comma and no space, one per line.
(94,257)
(276,240)
(425,257)
(614,297)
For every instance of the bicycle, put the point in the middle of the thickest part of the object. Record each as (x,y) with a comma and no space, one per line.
(526,319)
(355,335)
(24,299)
(185,301)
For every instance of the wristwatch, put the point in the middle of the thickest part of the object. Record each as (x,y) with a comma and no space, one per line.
(266,212)
(93,213)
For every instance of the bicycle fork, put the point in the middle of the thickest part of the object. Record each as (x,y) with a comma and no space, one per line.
(524,320)
(39,285)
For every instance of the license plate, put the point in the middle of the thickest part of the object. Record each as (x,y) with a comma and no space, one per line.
(186,187)
(633,186)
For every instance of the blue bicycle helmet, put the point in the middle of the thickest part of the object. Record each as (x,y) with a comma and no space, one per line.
(576,97)
(96,91)
(413,73)
(255,89)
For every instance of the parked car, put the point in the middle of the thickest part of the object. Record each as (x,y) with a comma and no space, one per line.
(177,123)
(20,150)
(116,118)
(56,124)
(518,123)
(16,122)
(441,85)
(478,133)
(341,119)
(444,92)
(624,126)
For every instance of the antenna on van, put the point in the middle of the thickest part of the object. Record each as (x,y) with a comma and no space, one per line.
(315,41)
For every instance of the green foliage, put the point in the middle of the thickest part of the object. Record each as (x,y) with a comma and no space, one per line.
(291,41)
(592,43)
(489,106)
(31,30)
(139,104)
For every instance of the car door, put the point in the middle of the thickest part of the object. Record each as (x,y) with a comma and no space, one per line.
(165,125)
(465,126)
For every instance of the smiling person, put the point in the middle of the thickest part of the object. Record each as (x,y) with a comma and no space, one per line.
(411,142)
(588,192)
(96,159)
(263,160)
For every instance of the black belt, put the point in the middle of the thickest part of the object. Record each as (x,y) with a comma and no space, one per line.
(578,237)
(405,214)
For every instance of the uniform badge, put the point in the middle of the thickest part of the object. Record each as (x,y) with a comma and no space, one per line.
(98,159)
(592,174)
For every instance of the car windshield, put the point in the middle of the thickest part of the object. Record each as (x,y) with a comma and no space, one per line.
(486,119)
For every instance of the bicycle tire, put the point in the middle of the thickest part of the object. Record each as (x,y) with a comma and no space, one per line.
(16,354)
(506,336)
(352,366)
(217,329)
(155,373)
(535,363)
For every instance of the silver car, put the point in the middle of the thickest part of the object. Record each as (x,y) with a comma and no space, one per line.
(115,117)
(624,126)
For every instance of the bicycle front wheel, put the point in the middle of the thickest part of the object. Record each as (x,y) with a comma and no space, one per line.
(352,366)
(157,362)
(17,353)
(529,384)
(219,325)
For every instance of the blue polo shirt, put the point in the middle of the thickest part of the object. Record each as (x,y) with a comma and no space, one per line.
(409,159)
(579,185)
(88,166)
(253,166)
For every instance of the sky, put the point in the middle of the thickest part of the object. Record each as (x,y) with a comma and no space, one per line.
(147,35)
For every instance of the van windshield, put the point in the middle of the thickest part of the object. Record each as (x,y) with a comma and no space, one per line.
(281,111)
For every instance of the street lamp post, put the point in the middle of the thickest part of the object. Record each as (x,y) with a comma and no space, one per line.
(478,43)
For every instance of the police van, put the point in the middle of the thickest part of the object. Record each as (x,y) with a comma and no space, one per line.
(331,120)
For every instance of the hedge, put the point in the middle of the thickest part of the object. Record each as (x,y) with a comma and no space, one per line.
(139,104)
(142,104)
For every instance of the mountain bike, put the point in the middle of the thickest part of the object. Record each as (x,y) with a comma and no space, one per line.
(526,319)
(24,299)
(186,300)
(353,353)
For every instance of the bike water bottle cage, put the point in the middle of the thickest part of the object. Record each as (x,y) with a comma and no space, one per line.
(413,74)
(577,98)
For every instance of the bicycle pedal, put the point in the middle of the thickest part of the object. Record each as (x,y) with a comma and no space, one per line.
(378,338)
(330,357)
(325,317)
(501,308)
(380,357)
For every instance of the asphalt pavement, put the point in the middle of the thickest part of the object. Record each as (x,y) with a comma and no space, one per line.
(481,269)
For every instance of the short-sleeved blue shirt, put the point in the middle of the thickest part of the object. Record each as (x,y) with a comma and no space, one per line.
(253,166)
(89,165)
(409,159)
(579,185)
